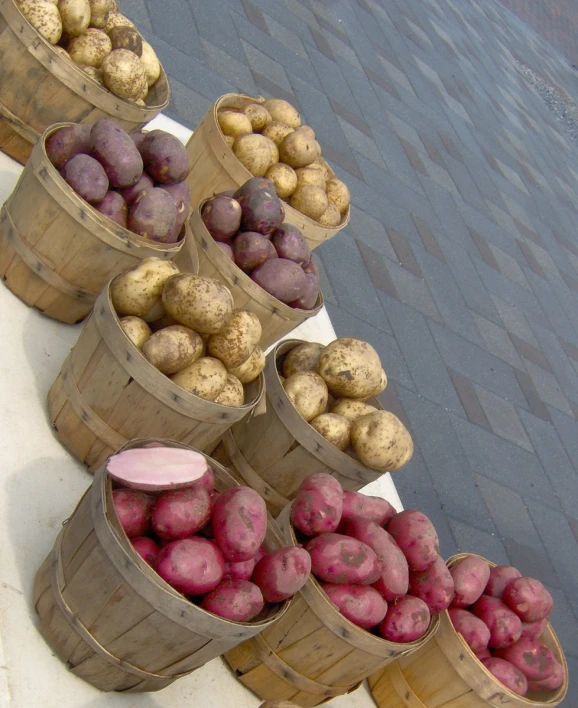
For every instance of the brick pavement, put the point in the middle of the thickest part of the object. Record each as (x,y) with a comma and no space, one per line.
(461,260)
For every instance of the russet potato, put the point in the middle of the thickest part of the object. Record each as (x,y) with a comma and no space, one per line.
(381,441)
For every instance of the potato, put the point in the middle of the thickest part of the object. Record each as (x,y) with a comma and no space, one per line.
(507,674)
(114,18)
(274,151)
(350,367)
(283,112)
(222,217)
(87,178)
(381,441)
(151,64)
(307,392)
(311,201)
(129,194)
(554,681)
(505,626)
(258,115)
(126,38)
(281,278)
(290,243)
(234,124)
(239,523)
(363,506)
(136,330)
(66,143)
(474,632)
(338,194)
(306,175)
(137,290)
(114,207)
(261,208)
(331,216)
(298,149)
(380,386)
(277,132)
(320,164)
(62,52)
(334,428)
(90,48)
(199,303)
(500,576)
(235,342)
(230,140)
(123,73)
(406,620)
(206,377)
(181,194)
(254,152)
(435,586)
(115,150)
(531,657)
(284,179)
(342,560)
(94,73)
(233,394)
(250,249)
(415,534)
(153,214)
(235,600)
(528,598)
(317,505)
(44,17)
(308,130)
(303,357)
(351,408)
(98,10)
(173,348)
(282,573)
(164,157)
(191,565)
(534,630)
(157,315)
(75,16)
(470,576)
(363,606)
(249,370)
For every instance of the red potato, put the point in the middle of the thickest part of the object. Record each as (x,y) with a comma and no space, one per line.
(243,570)
(309,296)
(435,586)
(282,573)
(534,630)
(475,633)
(115,150)
(131,193)
(193,566)
(87,178)
(66,143)
(528,598)
(318,504)
(138,136)
(470,576)
(290,243)
(236,600)
(207,482)
(227,250)
(133,510)
(360,604)
(342,560)
(507,674)
(114,207)
(531,656)
(394,573)
(222,216)
(554,681)
(356,505)
(505,626)
(483,654)
(281,278)
(415,534)
(153,214)
(251,249)
(406,620)
(164,157)
(500,576)
(239,523)
(147,549)
(181,513)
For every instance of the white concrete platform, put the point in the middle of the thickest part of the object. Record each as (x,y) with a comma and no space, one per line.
(40,484)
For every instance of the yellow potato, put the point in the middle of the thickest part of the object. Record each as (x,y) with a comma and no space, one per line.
(63,52)
(93,72)
(90,48)
(334,428)
(258,115)
(136,330)
(277,132)
(230,140)
(381,441)
(250,369)
(352,408)
(137,290)
(126,38)
(307,391)
(173,348)
(380,386)
(311,201)
(338,194)
(322,166)
(234,123)
(298,149)
(313,177)
(114,18)
(274,150)
(233,394)
(303,357)
(44,17)
(254,152)
(331,216)
(205,377)
(233,344)
(284,179)
(350,367)
(283,112)
(202,304)
(124,73)
(151,63)
(98,10)
(156,312)
(75,16)
(308,130)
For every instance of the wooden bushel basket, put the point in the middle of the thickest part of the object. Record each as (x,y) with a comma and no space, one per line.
(313,652)
(217,169)
(446,672)
(111,618)
(39,87)
(108,393)
(56,252)
(200,251)
(274,452)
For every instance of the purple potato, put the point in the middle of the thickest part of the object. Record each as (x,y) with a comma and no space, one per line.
(281,278)
(311,268)
(311,293)
(87,177)
(261,207)
(250,249)
(253,185)
(113,206)
(290,243)
(153,215)
(137,137)
(115,150)
(181,194)
(66,143)
(222,217)
(164,157)
(227,250)
(131,193)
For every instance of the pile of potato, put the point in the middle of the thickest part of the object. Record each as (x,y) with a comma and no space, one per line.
(100,40)
(269,140)
(134,179)
(185,325)
(248,227)
(329,386)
